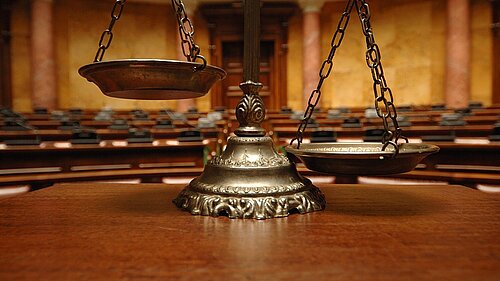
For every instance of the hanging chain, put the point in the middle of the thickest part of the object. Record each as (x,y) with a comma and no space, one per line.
(326,69)
(186,30)
(107,35)
(384,100)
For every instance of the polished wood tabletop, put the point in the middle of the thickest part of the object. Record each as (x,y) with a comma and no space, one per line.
(90,231)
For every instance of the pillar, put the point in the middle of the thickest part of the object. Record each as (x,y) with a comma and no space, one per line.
(495,6)
(311,45)
(458,56)
(44,93)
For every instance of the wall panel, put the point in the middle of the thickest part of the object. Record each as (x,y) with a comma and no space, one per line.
(411,35)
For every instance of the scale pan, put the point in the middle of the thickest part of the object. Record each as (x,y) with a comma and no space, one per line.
(149,79)
(360,158)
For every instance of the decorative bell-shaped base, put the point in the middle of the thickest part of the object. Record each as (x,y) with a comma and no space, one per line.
(250,180)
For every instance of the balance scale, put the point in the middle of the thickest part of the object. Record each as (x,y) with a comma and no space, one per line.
(250,179)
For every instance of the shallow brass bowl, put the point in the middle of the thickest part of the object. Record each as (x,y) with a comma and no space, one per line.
(149,79)
(360,158)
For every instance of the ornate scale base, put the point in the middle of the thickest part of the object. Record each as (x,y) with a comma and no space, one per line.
(250,180)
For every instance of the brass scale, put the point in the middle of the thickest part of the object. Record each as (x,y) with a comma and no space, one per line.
(250,179)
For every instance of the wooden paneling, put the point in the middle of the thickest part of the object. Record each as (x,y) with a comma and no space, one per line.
(225,22)
(232,62)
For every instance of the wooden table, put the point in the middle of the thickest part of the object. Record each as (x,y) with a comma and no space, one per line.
(134,232)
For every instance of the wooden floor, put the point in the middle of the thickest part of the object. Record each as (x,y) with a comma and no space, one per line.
(133,232)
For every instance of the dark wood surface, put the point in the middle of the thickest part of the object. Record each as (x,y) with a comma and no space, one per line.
(134,232)
(470,179)
(45,164)
(54,124)
(416,121)
(414,131)
(71,158)
(145,175)
(465,156)
(105,134)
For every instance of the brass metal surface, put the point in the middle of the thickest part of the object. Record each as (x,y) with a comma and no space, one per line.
(250,111)
(151,79)
(250,180)
(360,158)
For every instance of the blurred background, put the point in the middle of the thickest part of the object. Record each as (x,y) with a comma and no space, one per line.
(433,51)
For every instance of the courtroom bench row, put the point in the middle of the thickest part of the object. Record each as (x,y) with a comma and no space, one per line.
(466,164)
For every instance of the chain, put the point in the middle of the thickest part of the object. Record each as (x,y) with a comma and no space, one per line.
(384,100)
(186,30)
(107,35)
(326,69)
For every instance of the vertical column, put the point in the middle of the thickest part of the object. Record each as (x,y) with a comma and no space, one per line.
(44,92)
(5,53)
(311,45)
(184,105)
(251,44)
(495,6)
(458,56)
(250,111)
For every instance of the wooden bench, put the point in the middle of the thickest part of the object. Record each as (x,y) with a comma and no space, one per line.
(51,162)
(89,115)
(94,124)
(286,133)
(457,163)
(105,134)
(442,166)
(149,175)
(469,179)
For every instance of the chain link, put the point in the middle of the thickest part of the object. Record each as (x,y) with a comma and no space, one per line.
(384,100)
(326,69)
(107,34)
(186,31)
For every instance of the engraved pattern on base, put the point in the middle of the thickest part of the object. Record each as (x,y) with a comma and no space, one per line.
(250,207)
(246,190)
(274,161)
